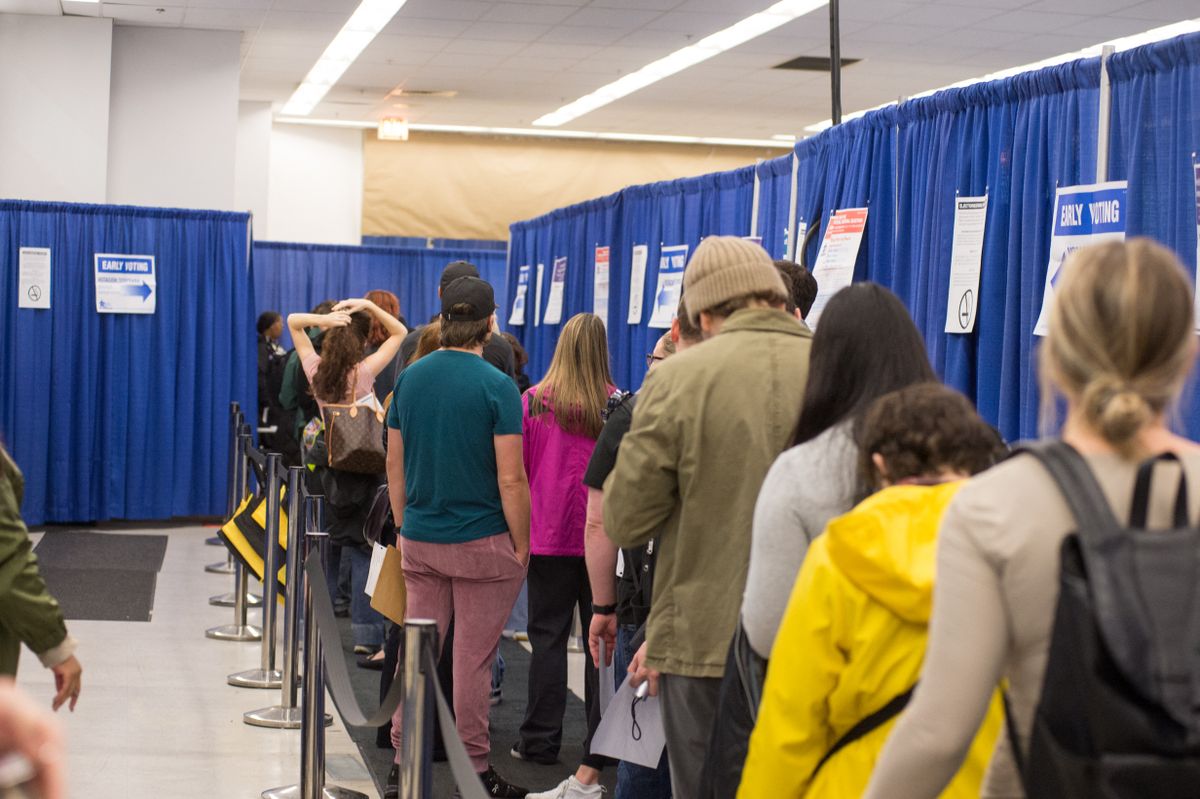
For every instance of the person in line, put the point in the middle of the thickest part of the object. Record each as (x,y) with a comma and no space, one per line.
(853,637)
(866,346)
(708,425)
(496,351)
(460,498)
(28,613)
(270,329)
(273,420)
(802,288)
(1120,345)
(344,374)
(390,303)
(562,419)
(294,393)
(629,595)
(520,361)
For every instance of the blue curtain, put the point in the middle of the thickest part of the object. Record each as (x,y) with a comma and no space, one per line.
(116,416)
(423,242)
(774,200)
(295,277)
(1155,135)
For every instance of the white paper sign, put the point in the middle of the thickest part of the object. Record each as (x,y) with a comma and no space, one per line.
(537,298)
(966,256)
(637,282)
(554,303)
(517,317)
(835,261)
(631,729)
(378,551)
(33,278)
(670,285)
(600,285)
(125,284)
(1083,215)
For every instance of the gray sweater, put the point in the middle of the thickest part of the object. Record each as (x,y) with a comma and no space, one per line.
(806,487)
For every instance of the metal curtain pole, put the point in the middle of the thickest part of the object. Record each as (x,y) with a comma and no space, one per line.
(1105,115)
(835,61)
(754,205)
(267,676)
(239,630)
(416,772)
(793,228)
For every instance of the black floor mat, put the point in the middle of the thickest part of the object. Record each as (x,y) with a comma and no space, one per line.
(81,550)
(102,594)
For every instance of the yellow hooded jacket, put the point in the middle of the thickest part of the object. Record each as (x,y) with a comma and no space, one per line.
(852,639)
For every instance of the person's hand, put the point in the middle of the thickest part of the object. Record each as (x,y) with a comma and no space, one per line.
(522,555)
(353,305)
(335,319)
(603,628)
(67,682)
(32,732)
(639,673)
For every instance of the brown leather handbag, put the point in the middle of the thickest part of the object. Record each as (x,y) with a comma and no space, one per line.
(354,439)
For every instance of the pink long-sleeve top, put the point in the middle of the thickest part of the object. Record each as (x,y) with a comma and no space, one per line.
(555,461)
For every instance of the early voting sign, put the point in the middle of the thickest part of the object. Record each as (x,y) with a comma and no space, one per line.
(1083,215)
(125,283)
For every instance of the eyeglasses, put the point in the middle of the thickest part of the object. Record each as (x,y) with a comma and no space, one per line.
(651,358)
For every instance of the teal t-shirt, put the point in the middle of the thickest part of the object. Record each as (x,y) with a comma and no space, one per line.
(448,406)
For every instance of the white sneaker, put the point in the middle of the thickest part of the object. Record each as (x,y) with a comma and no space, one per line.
(570,788)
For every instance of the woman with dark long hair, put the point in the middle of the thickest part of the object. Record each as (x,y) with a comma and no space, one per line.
(344,374)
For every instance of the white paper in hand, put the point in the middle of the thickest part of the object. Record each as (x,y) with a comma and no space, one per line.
(607,689)
(377,554)
(631,731)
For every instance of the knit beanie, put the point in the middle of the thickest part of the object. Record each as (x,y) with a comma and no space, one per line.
(724,268)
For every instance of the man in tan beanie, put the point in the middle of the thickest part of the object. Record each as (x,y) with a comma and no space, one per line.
(708,425)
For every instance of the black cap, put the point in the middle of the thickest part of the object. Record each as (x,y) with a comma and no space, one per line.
(469,291)
(455,270)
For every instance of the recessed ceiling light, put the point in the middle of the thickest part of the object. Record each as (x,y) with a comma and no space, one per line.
(364,25)
(741,32)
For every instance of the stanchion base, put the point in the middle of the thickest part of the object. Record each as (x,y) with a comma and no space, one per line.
(329,792)
(224,567)
(279,717)
(230,599)
(257,678)
(235,632)
(214,541)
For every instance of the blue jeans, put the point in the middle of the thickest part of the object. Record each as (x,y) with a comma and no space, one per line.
(634,781)
(366,622)
(518,620)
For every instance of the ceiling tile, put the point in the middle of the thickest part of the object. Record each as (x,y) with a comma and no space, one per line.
(1031,22)
(696,23)
(630,19)
(484,46)
(1162,10)
(570,34)
(505,31)
(468,10)
(303,21)
(224,18)
(544,13)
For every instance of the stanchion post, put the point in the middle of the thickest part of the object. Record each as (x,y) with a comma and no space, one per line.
(416,756)
(267,676)
(240,630)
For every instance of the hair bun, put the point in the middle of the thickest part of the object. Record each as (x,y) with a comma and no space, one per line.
(1116,409)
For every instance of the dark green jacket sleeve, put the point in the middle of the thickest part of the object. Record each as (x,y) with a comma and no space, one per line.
(27,611)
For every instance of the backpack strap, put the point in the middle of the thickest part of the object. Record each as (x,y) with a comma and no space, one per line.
(1141,493)
(867,726)
(1010,727)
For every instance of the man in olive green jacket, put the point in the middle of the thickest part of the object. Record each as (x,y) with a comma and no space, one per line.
(708,425)
(28,613)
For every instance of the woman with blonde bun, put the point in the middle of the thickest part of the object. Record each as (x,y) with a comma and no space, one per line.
(1121,343)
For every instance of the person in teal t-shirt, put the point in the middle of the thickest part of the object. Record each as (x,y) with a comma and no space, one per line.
(460,498)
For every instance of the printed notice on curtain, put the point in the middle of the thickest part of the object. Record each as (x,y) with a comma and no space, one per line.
(966,256)
(517,317)
(637,283)
(1196,176)
(835,260)
(554,303)
(537,298)
(1083,215)
(125,284)
(600,285)
(670,285)
(33,278)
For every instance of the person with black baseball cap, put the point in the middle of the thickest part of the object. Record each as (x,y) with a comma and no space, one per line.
(496,351)
(460,499)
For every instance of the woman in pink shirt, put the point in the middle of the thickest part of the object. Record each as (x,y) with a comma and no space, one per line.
(562,418)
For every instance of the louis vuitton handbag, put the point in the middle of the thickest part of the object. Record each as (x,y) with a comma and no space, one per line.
(354,437)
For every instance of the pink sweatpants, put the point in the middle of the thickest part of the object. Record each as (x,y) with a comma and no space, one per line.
(476,584)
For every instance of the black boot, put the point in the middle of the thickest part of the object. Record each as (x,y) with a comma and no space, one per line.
(392,789)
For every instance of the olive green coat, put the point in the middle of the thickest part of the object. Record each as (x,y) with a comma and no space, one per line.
(708,425)
(28,614)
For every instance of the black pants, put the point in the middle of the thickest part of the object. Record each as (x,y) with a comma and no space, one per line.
(557,585)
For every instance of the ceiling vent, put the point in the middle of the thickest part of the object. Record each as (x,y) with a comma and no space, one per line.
(813,63)
(400,91)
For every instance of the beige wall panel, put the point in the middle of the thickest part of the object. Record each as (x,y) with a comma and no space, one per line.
(455,186)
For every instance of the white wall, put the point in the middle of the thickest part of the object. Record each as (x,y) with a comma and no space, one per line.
(54,86)
(173,117)
(316,185)
(253,167)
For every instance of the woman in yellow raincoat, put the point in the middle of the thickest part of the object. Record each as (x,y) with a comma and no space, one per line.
(850,647)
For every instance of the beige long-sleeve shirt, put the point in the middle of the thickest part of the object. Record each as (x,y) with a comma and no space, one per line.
(993,609)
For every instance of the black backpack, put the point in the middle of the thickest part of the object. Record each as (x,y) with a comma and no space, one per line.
(1119,714)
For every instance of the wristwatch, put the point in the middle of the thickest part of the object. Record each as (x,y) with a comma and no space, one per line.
(603,610)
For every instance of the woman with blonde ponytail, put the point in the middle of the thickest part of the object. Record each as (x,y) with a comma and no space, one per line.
(1120,345)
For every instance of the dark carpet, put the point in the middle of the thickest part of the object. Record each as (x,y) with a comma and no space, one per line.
(102,576)
(505,722)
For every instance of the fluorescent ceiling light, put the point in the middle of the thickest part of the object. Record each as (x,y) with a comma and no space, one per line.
(1124,43)
(542,133)
(738,33)
(360,30)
